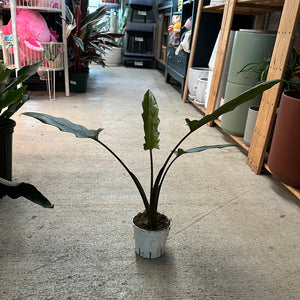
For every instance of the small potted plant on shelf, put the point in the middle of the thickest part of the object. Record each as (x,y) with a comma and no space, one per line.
(86,41)
(150,223)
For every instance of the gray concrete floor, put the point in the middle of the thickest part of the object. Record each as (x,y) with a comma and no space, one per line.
(234,235)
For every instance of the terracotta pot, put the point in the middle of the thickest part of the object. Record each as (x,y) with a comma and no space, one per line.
(284,156)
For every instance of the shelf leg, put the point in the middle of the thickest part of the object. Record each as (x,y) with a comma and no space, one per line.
(228,15)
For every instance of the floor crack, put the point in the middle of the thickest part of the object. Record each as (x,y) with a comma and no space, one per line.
(208,213)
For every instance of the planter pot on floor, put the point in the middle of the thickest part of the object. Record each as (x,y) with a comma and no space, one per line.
(150,244)
(248,47)
(234,122)
(78,82)
(6,137)
(284,156)
(250,124)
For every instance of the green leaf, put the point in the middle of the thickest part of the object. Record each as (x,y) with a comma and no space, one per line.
(12,97)
(65,125)
(202,148)
(12,108)
(4,75)
(15,190)
(78,42)
(94,17)
(151,121)
(24,73)
(231,105)
(29,70)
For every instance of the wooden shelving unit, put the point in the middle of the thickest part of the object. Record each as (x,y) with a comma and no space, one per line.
(290,10)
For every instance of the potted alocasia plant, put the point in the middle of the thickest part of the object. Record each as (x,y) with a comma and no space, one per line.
(86,41)
(151,221)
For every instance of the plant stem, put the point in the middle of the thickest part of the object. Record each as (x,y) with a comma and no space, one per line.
(133,177)
(161,175)
(162,179)
(151,168)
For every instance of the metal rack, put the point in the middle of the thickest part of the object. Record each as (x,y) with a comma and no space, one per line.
(54,54)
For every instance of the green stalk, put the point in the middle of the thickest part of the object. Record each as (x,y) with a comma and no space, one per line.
(134,178)
(161,174)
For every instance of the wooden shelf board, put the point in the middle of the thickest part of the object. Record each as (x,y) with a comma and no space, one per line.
(241,143)
(250,7)
(239,140)
(200,107)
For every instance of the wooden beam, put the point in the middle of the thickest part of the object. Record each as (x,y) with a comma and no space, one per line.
(221,54)
(265,119)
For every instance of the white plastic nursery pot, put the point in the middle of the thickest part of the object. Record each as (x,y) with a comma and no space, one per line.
(150,244)
(112,57)
(193,75)
(201,91)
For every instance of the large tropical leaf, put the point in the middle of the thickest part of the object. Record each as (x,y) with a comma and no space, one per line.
(15,190)
(151,121)
(66,125)
(231,105)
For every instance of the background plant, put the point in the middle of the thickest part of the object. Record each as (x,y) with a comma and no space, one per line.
(86,38)
(292,73)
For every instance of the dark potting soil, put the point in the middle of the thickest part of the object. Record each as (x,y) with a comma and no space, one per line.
(140,220)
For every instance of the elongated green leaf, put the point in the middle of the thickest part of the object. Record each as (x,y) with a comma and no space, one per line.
(15,190)
(24,73)
(231,105)
(12,108)
(5,74)
(151,121)
(202,148)
(30,69)
(12,97)
(93,17)
(78,42)
(65,125)
(69,16)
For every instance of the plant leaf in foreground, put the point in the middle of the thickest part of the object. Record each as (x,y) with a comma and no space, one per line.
(66,125)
